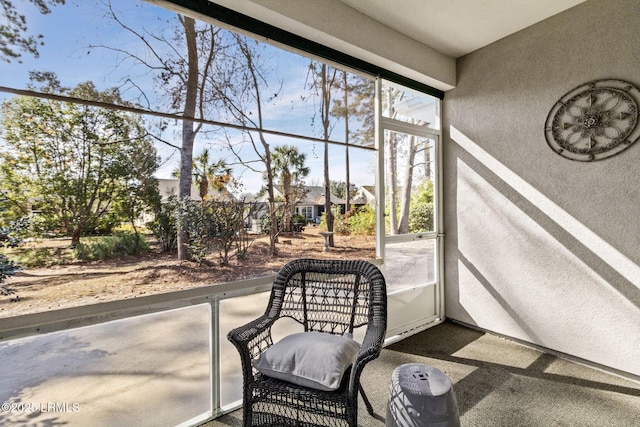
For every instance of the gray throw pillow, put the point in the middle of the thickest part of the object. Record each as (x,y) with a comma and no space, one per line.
(311,359)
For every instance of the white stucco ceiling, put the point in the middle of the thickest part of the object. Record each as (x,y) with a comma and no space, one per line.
(457,27)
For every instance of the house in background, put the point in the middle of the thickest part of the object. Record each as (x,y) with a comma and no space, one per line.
(311,206)
(365,196)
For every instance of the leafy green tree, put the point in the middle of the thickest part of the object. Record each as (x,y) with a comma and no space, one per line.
(75,163)
(143,194)
(14,37)
(289,165)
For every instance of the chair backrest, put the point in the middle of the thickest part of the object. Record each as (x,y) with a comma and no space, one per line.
(333,296)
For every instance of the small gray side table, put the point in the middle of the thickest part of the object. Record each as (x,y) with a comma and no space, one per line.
(421,396)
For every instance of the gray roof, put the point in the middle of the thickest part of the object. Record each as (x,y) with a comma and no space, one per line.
(315,196)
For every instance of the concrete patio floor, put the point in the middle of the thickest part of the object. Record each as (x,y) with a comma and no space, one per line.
(150,370)
(154,370)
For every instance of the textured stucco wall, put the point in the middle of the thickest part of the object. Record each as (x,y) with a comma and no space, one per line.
(539,247)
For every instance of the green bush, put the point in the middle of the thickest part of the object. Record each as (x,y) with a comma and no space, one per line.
(115,246)
(298,222)
(104,225)
(421,217)
(10,237)
(164,225)
(339,225)
(363,222)
(421,212)
(196,219)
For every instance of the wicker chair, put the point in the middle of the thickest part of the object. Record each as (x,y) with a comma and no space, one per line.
(327,296)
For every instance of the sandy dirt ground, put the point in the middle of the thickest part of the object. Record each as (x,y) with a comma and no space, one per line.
(71,285)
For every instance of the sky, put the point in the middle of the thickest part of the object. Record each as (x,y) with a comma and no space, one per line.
(71,29)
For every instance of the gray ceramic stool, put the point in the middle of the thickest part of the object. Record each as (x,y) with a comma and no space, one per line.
(419,396)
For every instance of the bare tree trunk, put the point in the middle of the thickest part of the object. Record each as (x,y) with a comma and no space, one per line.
(392,164)
(203,186)
(273,232)
(326,108)
(75,237)
(188,131)
(347,205)
(286,187)
(427,162)
(328,214)
(403,226)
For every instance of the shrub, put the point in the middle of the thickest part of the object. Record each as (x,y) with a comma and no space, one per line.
(227,228)
(298,222)
(421,212)
(115,246)
(339,225)
(363,222)
(126,227)
(7,268)
(421,217)
(197,219)
(10,237)
(164,226)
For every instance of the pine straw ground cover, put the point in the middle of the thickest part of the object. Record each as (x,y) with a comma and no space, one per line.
(82,283)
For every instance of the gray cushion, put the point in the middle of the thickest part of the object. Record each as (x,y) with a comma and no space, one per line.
(311,359)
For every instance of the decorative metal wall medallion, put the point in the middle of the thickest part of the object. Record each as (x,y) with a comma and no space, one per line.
(594,121)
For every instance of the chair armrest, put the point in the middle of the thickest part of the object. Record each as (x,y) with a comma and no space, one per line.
(251,340)
(370,350)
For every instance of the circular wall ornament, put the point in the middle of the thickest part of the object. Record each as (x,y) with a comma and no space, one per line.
(594,121)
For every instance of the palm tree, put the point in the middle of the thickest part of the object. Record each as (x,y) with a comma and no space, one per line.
(207,174)
(288,164)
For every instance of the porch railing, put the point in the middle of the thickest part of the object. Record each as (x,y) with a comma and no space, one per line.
(153,360)
(157,360)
